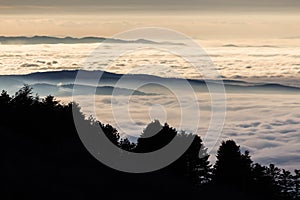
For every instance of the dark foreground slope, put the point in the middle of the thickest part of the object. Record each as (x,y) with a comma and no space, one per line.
(43,157)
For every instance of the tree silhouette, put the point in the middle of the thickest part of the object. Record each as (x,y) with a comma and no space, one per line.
(204,168)
(42,152)
(296,184)
(194,162)
(285,182)
(274,173)
(126,145)
(111,133)
(265,181)
(50,102)
(4,98)
(24,96)
(154,137)
(232,167)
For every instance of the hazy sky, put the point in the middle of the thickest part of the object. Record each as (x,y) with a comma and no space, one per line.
(127,5)
(216,19)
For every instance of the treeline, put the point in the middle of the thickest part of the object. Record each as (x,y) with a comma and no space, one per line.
(42,155)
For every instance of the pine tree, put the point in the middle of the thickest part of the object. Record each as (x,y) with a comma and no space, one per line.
(154,137)
(204,167)
(296,184)
(4,98)
(285,182)
(232,167)
(23,97)
(126,145)
(194,162)
(274,173)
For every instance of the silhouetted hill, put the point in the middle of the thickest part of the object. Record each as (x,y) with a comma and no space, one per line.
(110,79)
(44,89)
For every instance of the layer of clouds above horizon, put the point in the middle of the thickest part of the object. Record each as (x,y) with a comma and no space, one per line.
(199,19)
(271,135)
(143,5)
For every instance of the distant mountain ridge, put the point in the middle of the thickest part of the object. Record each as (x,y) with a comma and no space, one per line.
(110,79)
(67,90)
(23,40)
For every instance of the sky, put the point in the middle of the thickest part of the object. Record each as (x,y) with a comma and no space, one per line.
(145,5)
(200,19)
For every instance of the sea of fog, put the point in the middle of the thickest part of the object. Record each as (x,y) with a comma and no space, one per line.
(263,118)
(269,63)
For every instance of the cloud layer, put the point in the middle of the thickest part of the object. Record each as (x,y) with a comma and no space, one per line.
(280,64)
(266,125)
